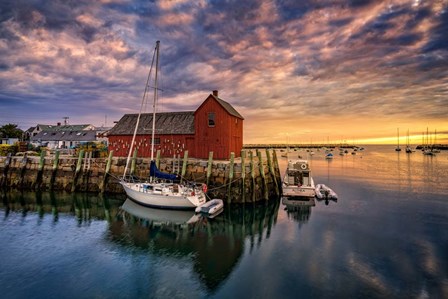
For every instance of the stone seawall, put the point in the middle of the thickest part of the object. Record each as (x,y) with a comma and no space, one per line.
(253,177)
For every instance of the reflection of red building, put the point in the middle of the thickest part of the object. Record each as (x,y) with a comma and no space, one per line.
(215,126)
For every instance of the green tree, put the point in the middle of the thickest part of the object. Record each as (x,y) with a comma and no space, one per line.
(10,131)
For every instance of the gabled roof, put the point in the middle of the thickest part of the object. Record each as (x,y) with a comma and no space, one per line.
(167,123)
(80,135)
(30,129)
(62,127)
(229,108)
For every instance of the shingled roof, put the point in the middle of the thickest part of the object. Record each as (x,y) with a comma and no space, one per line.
(62,128)
(229,108)
(80,135)
(167,123)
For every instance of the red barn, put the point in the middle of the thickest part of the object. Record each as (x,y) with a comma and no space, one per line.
(215,126)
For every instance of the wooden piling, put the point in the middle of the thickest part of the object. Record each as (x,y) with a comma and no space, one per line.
(106,172)
(133,161)
(231,166)
(252,174)
(86,173)
(243,175)
(23,168)
(158,159)
(55,169)
(263,178)
(4,177)
(40,170)
(277,172)
(184,165)
(209,166)
(272,172)
(78,170)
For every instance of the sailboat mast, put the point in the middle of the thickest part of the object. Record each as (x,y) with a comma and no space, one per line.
(139,114)
(155,101)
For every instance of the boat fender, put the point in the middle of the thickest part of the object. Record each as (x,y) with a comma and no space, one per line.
(303,166)
(204,188)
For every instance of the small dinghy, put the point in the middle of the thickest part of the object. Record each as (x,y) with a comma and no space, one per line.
(211,208)
(325,192)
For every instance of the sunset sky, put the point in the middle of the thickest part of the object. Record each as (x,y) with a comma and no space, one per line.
(298,71)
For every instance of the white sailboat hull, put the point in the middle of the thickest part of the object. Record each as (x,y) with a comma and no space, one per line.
(165,198)
(158,215)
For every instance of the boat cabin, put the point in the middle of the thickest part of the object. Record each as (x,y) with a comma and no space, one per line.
(298,173)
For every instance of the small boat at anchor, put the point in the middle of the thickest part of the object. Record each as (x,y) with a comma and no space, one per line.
(325,192)
(211,208)
(297,182)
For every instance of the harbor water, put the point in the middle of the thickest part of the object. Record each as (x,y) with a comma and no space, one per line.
(385,237)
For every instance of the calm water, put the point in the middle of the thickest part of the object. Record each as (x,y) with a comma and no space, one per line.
(386,237)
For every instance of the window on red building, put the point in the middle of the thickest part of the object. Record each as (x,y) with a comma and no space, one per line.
(211,119)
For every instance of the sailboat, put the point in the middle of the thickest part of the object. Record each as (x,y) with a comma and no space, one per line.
(435,149)
(408,146)
(160,190)
(398,149)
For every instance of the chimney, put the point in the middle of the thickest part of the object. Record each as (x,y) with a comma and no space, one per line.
(215,93)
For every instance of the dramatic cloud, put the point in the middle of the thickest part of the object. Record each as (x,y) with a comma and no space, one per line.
(296,70)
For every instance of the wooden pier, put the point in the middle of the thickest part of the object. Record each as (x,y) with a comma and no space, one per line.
(253,177)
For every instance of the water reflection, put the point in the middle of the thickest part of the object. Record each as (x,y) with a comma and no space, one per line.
(214,246)
(84,206)
(301,214)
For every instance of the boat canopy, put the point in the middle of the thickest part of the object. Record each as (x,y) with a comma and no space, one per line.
(154,171)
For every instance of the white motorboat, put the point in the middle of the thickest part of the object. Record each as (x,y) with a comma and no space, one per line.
(211,208)
(297,181)
(161,190)
(325,192)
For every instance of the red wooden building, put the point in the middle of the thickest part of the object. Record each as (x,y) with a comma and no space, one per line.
(215,126)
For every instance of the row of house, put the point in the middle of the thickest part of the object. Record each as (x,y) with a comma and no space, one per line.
(214,126)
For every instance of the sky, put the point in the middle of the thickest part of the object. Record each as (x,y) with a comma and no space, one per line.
(297,71)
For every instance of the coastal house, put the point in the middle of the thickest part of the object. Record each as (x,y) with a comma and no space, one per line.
(63,136)
(214,126)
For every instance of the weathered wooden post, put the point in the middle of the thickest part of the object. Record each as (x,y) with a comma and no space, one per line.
(272,172)
(87,171)
(78,170)
(263,178)
(231,165)
(252,174)
(23,169)
(4,177)
(184,165)
(158,159)
(106,172)
(209,166)
(277,172)
(134,158)
(243,175)
(55,169)
(40,170)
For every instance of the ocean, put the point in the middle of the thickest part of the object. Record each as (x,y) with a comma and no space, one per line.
(385,237)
